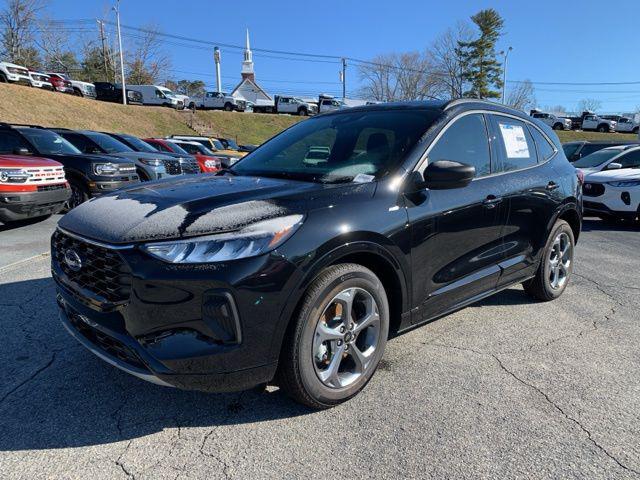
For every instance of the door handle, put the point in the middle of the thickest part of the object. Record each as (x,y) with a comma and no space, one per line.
(491,201)
(552,186)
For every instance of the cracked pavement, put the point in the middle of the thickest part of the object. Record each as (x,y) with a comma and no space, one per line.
(503,389)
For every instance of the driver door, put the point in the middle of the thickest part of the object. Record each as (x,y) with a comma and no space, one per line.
(456,234)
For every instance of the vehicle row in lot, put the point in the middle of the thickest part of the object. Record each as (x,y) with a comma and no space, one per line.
(100,162)
(588,121)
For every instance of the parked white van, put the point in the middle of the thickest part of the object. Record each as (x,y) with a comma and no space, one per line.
(157,95)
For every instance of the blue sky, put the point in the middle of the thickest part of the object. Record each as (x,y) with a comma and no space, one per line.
(553,41)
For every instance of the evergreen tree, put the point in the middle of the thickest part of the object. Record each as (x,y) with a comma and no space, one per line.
(478,57)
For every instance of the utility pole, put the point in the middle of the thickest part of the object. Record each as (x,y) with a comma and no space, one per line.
(124,86)
(104,49)
(343,78)
(504,73)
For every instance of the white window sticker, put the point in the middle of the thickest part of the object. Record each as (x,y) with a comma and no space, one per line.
(515,141)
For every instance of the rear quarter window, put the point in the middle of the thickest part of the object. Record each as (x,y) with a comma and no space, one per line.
(513,144)
(544,148)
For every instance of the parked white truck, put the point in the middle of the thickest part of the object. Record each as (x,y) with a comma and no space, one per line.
(10,72)
(557,123)
(595,122)
(157,95)
(327,103)
(286,104)
(218,100)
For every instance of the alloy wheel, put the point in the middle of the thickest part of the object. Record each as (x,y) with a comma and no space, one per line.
(559,261)
(346,337)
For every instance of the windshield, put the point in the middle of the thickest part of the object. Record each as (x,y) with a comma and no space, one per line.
(597,158)
(49,143)
(139,145)
(231,144)
(107,143)
(371,143)
(175,148)
(570,148)
(217,144)
(167,92)
(196,148)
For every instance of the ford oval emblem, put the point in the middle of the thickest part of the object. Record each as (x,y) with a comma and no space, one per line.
(73,260)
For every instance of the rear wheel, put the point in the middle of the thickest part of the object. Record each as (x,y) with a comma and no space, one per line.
(338,338)
(558,126)
(556,264)
(3,78)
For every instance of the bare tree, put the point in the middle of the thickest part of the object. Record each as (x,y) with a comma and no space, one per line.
(446,60)
(555,108)
(521,96)
(147,61)
(403,76)
(18,23)
(55,44)
(589,104)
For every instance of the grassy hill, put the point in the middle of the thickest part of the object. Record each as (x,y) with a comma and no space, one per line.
(33,106)
(20,104)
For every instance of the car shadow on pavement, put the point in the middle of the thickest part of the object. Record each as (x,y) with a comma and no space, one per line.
(55,394)
(597,225)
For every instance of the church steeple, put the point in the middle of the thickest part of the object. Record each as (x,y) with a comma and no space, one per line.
(247,64)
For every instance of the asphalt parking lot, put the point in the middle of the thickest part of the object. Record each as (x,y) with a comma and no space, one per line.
(508,388)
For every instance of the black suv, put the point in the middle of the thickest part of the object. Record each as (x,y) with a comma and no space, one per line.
(88,175)
(110,92)
(298,269)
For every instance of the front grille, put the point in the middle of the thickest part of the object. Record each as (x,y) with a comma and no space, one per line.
(189,165)
(49,188)
(593,189)
(102,271)
(106,343)
(172,167)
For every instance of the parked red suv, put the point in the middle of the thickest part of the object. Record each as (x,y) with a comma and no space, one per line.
(60,84)
(31,187)
(207,161)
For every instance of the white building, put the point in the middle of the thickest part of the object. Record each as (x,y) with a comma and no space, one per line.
(248,89)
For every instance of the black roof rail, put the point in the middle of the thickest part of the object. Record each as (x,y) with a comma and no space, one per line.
(460,101)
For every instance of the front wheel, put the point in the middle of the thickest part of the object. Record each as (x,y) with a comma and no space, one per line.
(556,264)
(79,195)
(338,338)
(558,126)
(603,128)
(228,107)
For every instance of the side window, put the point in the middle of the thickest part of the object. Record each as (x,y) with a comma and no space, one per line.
(544,148)
(161,147)
(465,141)
(513,144)
(10,142)
(630,160)
(78,141)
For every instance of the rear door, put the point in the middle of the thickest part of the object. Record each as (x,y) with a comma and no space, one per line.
(528,184)
(457,233)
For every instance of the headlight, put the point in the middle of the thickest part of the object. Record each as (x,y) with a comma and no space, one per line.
(625,183)
(13,176)
(251,241)
(105,169)
(154,162)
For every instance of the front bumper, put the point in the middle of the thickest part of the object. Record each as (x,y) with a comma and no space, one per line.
(16,78)
(97,188)
(614,201)
(64,89)
(198,327)
(22,205)
(44,85)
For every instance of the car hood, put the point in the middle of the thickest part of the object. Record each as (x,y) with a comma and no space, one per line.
(90,157)
(614,175)
(197,205)
(138,155)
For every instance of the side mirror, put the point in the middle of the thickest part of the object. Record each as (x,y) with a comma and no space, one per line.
(614,166)
(21,151)
(446,174)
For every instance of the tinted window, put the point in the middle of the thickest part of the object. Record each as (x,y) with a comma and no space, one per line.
(544,148)
(107,143)
(630,160)
(597,158)
(513,144)
(48,142)
(570,149)
(136,143)
(80,142)
(589,148)
(465,141)
(367,142)
(11,141)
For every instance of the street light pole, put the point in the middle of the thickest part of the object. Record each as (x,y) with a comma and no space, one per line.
(124,86)
(504,73)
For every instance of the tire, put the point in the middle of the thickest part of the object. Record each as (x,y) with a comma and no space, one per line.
(142,175)
(3,78)
(304,359)
(558,126)
(635,130)
(302,112)
(542,285)
(228,107)
(603,128)
(77,92)
(79,195)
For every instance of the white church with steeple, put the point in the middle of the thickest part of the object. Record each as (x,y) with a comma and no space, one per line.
(248,89)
